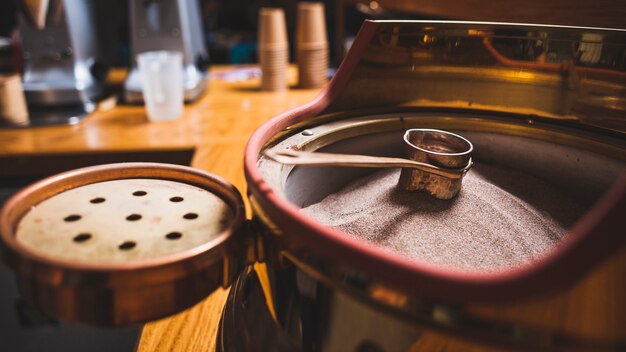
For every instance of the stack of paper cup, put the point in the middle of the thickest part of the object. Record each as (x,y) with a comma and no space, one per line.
(273,49)
(13,109)
(312,45)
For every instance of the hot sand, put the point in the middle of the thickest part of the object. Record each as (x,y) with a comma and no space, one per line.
(501,218)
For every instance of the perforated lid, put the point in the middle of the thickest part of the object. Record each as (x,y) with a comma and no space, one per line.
(143,240)
(123,221)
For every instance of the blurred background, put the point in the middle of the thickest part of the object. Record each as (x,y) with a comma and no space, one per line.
(229,26)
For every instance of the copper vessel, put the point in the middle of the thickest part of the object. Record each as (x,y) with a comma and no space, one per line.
(114,294)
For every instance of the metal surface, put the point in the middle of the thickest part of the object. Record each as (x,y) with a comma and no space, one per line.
(122,293)
(62,70)
(27,329)
(511,68)
(311,317)
(247,324)
(292,157)
(533,103)
(542,149)
(441,148)
(58,115)
(172,26)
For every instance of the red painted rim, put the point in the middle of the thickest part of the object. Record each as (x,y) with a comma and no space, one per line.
(593,238)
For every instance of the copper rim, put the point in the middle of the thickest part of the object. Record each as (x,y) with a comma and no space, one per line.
(181,278)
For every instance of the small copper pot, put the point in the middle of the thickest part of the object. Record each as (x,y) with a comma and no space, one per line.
(439,148)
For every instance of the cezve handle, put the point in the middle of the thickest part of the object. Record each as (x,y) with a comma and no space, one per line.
(292,157)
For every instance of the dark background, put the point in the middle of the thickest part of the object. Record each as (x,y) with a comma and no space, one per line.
(229,26)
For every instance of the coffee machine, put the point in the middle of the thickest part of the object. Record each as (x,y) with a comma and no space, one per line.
(62,74)
(173,25)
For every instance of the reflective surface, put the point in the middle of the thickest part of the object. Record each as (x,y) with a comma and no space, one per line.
(545,100)
(560,72)
(27,329)
(127,292)
(531,319)
(63,74)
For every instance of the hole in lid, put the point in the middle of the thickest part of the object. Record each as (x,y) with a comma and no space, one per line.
(82,237)
(177,199)
(73,217)
(173,235)
(127,245)
(190,216)
(97,200)
(139,193)
(133,217)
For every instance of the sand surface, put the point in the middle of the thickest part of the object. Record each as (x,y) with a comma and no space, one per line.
(501,218)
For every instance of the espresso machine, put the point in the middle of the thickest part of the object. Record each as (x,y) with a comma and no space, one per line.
(62,73)
(172,25)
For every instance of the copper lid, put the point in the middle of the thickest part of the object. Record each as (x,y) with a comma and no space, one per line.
(122,243)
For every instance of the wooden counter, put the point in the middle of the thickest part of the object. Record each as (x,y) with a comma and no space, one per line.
(217,126)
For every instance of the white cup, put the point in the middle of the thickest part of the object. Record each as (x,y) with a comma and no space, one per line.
(161,75)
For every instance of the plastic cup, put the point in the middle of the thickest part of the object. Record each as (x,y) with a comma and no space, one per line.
(161,75)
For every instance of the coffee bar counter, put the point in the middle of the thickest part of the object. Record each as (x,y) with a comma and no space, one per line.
(211,136)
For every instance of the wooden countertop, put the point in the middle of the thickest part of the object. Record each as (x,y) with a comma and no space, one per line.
(217,125)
